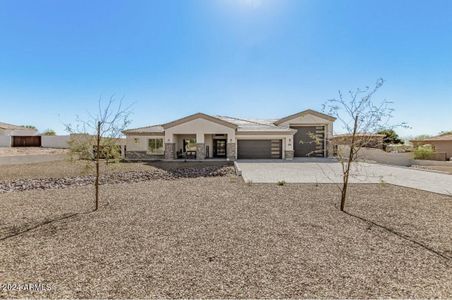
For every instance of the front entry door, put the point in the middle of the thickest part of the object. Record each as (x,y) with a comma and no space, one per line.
(219,148)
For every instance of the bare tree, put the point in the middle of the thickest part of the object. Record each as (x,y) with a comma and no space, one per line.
(96,138)
(361,118)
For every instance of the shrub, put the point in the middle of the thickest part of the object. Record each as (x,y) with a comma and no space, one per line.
(423,152)
(49,132)
(281,183)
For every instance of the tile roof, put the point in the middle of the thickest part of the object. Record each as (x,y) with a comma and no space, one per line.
(254,124)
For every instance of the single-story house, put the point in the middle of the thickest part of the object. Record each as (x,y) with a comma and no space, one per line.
(201,136)
(441,144)
(14,135)
(367,140)
(15,130)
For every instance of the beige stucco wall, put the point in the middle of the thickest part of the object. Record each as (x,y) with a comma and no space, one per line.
(56,141)
(443,146)
(200,127)
(5,141)
(311,120)
(208,140)
(142,142)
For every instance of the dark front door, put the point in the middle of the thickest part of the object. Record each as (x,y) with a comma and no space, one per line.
(309,141)
(219,148)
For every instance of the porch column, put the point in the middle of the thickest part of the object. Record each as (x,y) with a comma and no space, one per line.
(231,146)
(170,145)
(200,146)
(230,151)
(170,150)
(288,149)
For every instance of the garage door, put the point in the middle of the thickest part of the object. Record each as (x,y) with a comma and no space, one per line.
(309,141)
(26,141)
(259,149)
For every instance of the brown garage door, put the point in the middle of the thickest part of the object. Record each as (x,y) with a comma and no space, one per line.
(26,141)
(309,141)
(259,149)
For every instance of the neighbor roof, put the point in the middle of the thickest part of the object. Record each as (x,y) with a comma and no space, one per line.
(445,137)
(14,127)
(306,112)
(359,134)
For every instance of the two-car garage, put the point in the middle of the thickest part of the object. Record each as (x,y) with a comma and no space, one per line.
(308,141)
(259,149)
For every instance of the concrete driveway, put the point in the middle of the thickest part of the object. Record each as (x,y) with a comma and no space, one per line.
(329,171)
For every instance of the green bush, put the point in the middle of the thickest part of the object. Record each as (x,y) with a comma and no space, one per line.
(423,152)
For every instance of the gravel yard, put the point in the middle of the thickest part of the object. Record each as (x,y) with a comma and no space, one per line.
(220,238)
(18,151)
(60,169)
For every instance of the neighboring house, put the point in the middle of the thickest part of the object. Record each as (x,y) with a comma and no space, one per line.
(14,135)
(367,140)
(203,136)
(441,144)
(15,130)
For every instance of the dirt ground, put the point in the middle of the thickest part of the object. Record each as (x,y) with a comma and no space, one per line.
(445,169)
(12,151)
(221,238)
(65,168)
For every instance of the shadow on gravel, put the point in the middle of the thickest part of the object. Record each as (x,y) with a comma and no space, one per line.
(12,231)
(402,236)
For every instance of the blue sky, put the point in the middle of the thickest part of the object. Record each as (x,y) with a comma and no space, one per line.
(244,58)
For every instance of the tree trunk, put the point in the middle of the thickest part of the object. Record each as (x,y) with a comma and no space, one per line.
(97,165)
(349,163)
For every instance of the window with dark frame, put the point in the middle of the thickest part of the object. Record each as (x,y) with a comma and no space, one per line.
(155,146)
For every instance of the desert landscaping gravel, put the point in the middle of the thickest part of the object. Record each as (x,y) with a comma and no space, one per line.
(113,177)
(218,237)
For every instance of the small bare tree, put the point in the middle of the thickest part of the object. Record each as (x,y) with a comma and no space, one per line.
(361,118)
(97,137)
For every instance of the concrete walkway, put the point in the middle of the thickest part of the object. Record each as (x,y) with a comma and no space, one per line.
(329,171)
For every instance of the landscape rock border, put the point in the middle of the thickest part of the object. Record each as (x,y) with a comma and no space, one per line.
(113,178)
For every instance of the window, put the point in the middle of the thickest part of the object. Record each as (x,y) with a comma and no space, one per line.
(136,140)
(155,146)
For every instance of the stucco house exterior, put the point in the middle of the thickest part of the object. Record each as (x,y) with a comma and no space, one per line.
(15,130)
(441,144)
(201,136)
(10,132)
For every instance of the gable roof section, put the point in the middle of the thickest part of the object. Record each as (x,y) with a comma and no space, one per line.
(199,116)
(306,112)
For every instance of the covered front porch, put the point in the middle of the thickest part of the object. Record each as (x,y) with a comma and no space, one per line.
(200,146)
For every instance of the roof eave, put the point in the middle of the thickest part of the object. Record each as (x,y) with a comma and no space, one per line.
(308,111)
